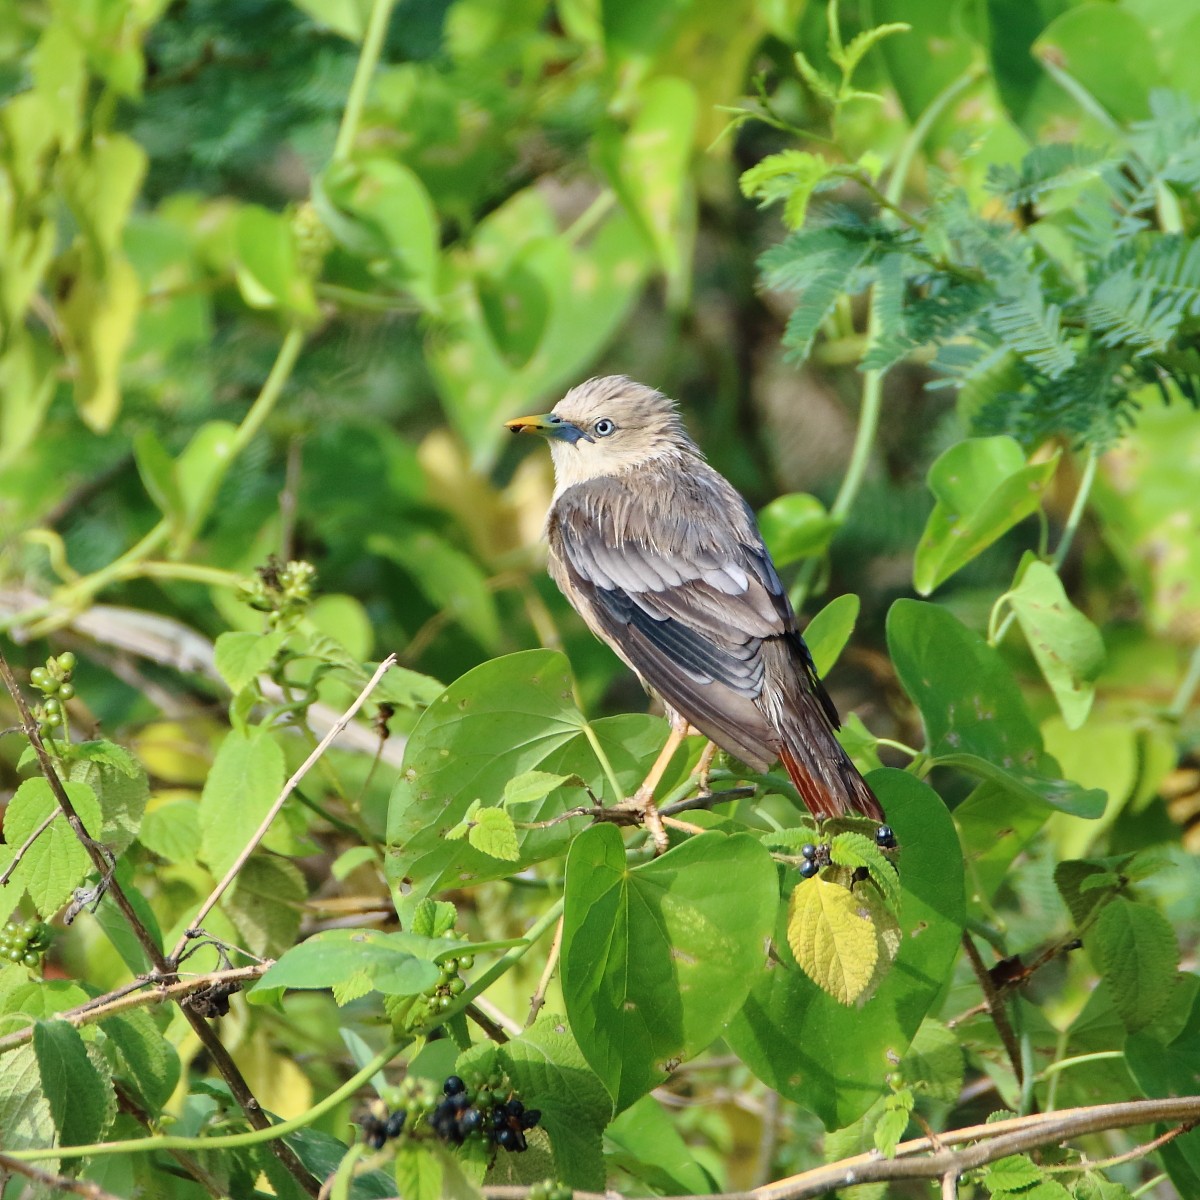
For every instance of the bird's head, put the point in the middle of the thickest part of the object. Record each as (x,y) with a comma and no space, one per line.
(607,426)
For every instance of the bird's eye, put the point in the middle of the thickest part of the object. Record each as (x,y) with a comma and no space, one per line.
(603,427)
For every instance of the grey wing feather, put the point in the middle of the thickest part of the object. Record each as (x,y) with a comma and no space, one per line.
(687,600)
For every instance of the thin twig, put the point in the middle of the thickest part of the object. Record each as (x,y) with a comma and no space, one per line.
(136,995)
(1103,1164)
(539,997)
(56,1182)
(950,1185)
(273,811)
(6,874)
(995,1004)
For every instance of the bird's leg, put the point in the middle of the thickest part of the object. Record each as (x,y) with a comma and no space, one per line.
(704,766)
(642,800)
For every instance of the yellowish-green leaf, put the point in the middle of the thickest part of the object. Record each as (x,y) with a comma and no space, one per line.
(833,939)
(493,832)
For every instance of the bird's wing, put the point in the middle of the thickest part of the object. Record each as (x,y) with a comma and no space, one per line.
(669,568)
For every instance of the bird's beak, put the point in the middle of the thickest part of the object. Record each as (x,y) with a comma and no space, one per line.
(549,426)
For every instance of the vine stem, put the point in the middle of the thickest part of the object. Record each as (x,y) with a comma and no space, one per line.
(1087,477)
(872,389)
(368,59)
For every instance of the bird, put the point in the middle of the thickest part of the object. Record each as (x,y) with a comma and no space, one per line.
(663,559)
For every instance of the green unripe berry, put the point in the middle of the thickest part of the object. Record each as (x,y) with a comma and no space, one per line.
(457,987)
(466,962)
(30,959)
(51,705)
(11,927)
(53,719)
(39,677)
(66,662)
(66,691)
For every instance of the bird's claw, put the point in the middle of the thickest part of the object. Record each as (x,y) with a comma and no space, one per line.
(642,803)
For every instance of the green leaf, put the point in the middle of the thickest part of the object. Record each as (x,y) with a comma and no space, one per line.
(819,265)
(647,166)
(241,657)
(1067,646)
(1060,794)
(119,783)
(792,176)
(79,1098)
(201,468)
(56,863)
(267,266)
(347,17)
(1108,51)
(506,717)
(246,777)
(450,579)
(795,1037)
(588,288)
(266,904)
(397,964)
(531,786)
(157,469)
(832,938)
(659,957)
(1134,948)
(1164,1066)
(856,850)
(405,688)
(796,526)
(171,828)
(493,832)
(894,1121)
(983,488)
(150,1065)
(548,1069)
(25,1113)
(644,1141)
(1012,1174)
(934,1063)
(975,716)
(829,631)
(380,211)
(1076,879)
(419,1173)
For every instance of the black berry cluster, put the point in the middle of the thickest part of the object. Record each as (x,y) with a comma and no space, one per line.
(54,682)
(485,1111)
(25,943)
(812,859)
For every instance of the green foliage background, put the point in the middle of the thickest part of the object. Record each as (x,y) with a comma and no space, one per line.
(926,281)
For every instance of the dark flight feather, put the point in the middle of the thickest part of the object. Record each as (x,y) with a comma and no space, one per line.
(666,565)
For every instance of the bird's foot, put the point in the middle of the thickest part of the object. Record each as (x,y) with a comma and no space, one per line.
(642,803)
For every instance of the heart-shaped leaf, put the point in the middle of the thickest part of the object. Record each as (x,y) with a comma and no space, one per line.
(658,958)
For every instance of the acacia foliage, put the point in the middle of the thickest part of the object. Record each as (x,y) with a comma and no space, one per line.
(276,273)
